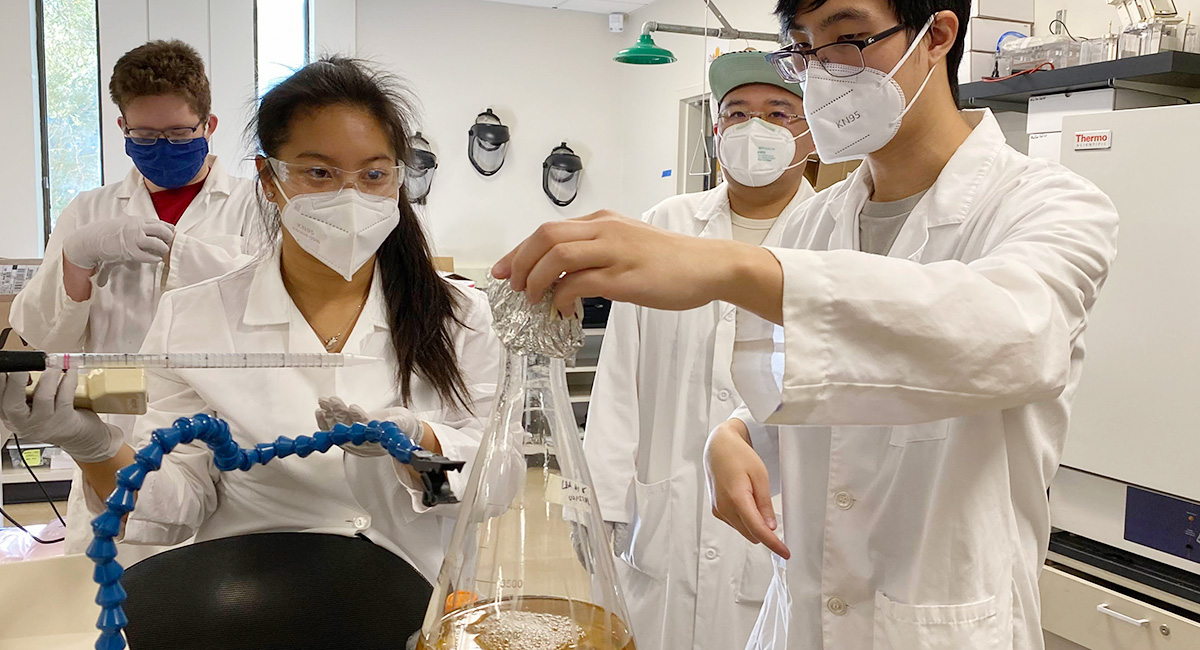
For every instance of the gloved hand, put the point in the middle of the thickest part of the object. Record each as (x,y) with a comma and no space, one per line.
(580,542)
(618,532)
(53,418)
(333,410)
(114,241)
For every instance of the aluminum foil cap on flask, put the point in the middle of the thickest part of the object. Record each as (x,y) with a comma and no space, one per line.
(529,565)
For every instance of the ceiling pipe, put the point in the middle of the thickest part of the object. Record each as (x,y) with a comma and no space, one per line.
(727,33)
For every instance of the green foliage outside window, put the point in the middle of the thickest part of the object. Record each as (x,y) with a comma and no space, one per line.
(72,84)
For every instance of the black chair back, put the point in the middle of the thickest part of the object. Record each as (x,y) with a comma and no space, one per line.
(274,591)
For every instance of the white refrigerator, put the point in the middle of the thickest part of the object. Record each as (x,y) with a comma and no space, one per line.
(1130,474)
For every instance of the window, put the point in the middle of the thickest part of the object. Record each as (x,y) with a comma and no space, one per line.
(697,146)
(280,40)
(69,72)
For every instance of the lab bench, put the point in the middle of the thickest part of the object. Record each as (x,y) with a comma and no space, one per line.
(19,486)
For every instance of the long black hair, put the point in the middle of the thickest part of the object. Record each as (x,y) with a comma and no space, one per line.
(421,306)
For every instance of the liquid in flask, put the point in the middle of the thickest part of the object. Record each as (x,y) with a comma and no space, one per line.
(529,565)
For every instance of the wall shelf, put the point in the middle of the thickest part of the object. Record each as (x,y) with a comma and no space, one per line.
(1173,69)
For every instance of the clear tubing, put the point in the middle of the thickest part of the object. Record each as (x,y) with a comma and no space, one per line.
(206,360)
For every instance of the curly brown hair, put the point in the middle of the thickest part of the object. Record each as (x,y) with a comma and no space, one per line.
(162,68)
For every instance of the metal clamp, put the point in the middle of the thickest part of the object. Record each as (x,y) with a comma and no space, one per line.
(1104,609)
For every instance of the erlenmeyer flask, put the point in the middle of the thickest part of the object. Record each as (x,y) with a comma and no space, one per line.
(529,565)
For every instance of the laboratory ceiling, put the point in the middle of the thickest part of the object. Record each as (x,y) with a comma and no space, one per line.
(593,6)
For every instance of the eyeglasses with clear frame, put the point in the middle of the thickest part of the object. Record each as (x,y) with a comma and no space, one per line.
(178,135)
(841,59)
(778,118)
(305,178)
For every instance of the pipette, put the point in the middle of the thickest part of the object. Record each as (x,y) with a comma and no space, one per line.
(36,360)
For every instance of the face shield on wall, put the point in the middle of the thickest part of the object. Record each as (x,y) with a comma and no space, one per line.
(488,143)
(418,175)
(560,175)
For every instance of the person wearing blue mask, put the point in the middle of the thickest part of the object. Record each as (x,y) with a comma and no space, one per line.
(177,218)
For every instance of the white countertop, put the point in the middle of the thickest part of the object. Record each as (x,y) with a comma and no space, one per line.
(48,604)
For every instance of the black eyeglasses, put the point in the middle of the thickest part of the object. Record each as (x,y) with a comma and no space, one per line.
(841,59)
(179,135)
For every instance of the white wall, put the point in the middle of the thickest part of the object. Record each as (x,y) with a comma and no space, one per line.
(221,30)
(20,140)
(651,95)
(550,77)
(332,26)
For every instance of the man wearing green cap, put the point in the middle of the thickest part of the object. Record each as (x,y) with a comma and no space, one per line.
(664,381)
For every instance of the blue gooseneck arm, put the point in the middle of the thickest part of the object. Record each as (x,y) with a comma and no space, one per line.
(228,456)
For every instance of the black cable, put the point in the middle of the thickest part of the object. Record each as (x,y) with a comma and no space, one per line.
(21,452)
(1064,26)
(37,539)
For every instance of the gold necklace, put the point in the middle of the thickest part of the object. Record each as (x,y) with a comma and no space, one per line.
(332,342)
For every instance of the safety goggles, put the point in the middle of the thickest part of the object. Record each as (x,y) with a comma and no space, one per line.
(307,178)
(778,118)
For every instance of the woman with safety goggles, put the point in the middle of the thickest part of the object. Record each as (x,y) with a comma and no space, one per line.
(350,272)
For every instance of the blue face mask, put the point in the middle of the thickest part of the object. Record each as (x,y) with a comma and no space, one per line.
(168,165)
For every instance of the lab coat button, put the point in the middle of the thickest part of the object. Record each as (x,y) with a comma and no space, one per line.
(362,522)
(729,316)
(844,500)
(710,554)
(837,606)
(723,395)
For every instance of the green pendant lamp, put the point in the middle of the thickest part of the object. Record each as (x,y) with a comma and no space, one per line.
(645,52)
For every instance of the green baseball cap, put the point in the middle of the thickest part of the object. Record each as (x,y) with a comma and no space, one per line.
(729,71)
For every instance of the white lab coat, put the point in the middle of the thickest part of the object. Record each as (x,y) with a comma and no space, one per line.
(249,310)
(936,387)
(213,237)
(663,382)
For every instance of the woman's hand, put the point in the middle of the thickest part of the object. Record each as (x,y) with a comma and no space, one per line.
(739,486)
(332,411)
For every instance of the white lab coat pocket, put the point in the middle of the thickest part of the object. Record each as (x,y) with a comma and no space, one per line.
(936,627)
(650,546)
(756,574)
(906,433)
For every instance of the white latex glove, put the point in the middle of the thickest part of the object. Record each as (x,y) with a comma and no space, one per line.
(53,418)
(332,410)
(115,241)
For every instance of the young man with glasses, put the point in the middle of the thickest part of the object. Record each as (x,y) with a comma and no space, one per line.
(663,383)
(917,415)
(177,218)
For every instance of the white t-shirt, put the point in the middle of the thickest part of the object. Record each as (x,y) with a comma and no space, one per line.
(751,231)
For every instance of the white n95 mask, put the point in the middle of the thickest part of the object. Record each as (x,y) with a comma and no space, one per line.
(755,153)
(342,229)
(853,116)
